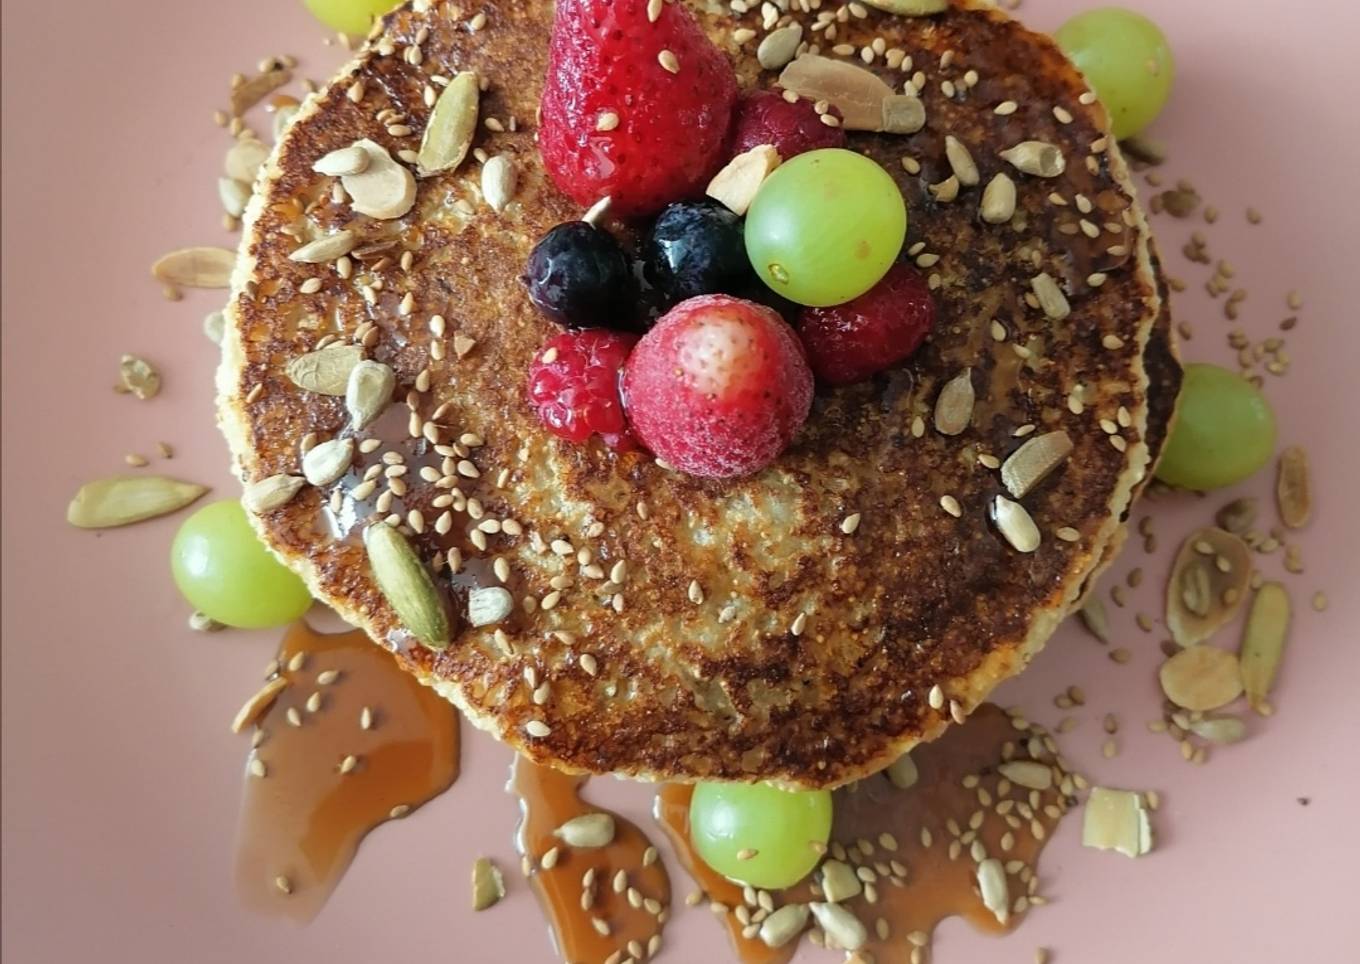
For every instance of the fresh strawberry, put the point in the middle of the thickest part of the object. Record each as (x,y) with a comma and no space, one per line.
(574,386)
(718,388)
(848,343)
(792,128)
(666,87)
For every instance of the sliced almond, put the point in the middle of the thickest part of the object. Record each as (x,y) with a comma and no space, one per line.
(1117,820)
(271,493)
(1016,525)
(1219,729)
(342,162)
(998,200)
(1032,462)
(406,585)
(1051,298)
(588,831)
(910,8)
(965,168)
(1293,489)
(865,101)
(1037,158)
(257,705)
(1208,585)
(902,772)
(735,186)
(368,391)
(841,927)
(779,46)
(244,159)
(499,180)
(839,881)
(327,462)
(385,189)
(125,499)
(991,879)
(954,407)
(234,194)
(203,267)
(1028,774)
(448,135)
(784,925)
(1095,619)
(325,249)
(1201,678)
(489,605)
(255,89)
(488,886)
(327,370)
(139,377)
(1263,641)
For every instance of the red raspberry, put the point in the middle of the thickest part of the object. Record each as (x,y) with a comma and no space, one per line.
(671,135)
(574,386)
(719,387)
(765,117)
(848,343)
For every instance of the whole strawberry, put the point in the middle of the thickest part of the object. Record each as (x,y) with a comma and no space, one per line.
(791,127)
(718,388)
(848,343)
(631,109)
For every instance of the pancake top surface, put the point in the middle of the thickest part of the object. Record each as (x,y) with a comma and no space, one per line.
(751,631)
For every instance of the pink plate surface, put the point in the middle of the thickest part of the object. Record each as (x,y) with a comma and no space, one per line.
(120,777)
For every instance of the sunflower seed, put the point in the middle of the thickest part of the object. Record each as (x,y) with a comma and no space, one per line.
(234,195)
(328,461)
(839,881)
(991,878)
(1032,462)
(840,925)
(779,46)
(1293,491)
(1051,297)
(588,831)
(998,200)
(784,925)
(902,772)
(342,162)
(1263,641)
(954,407)
(367,392)
(325,371)
(1037,158)
(406,585)
(1027,774)
(961,161)
(1016,525)
(499,179)
(270,493)
(448,135)
(1201,678)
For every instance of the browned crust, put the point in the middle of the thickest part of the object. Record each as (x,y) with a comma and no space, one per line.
(913,599)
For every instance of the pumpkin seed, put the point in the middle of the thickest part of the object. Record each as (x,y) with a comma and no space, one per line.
(266,495)
(234,195)
(368,391)
(1203,596)
(384,189)
(448,135)
(328,461)
(489,605)
(839,881)
(1037,158)
(1032,462)
(1117,820)
(1263,641)
(991,878)
(1293,490)
(406,585)
(902,772)
(325,249)
(736,184)
(779,46)
(499,179)
(954,407)
(910,8)
(203,267)
(998,200)
(840,925)
(139,377)
(784,925)
(488,886)
(343,162)
(1051,297)
(588,831)
(961,161)
(125,499)
(1201,678)
(1016,525)
(326,371)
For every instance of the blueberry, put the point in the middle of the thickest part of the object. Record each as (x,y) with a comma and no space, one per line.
(580,277)
(696,248)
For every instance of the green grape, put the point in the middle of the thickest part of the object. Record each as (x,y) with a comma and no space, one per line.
(1126,60)
(784,829)
(225,572)
(826,227)
(353,17)
(1223,433)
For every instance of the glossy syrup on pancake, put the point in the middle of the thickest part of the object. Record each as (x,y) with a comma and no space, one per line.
(689,667)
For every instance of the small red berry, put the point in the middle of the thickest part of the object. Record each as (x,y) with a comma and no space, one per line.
(574,385)
(765,117)
(848,343)
(635,110)
(719,387)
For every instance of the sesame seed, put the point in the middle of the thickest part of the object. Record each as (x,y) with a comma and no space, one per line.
(537,728)
(951,505)
(850,523)
(257,767)
(799,624)
(669,62)
(284,885)
(348,764)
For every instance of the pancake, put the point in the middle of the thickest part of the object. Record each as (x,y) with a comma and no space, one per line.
(669,627)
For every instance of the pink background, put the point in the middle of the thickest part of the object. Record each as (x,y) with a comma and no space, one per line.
(120,777)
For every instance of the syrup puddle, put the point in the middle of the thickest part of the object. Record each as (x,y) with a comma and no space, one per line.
(302,821)
(916,851)
(604,904)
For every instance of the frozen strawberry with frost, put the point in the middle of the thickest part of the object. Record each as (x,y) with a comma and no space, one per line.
(633,109)
(718,388)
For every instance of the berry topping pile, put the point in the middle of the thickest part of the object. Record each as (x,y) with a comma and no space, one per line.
(634,110)
(574,385)
(580,277)
(850,342)
(719,387)
(791,127)
(696,248)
